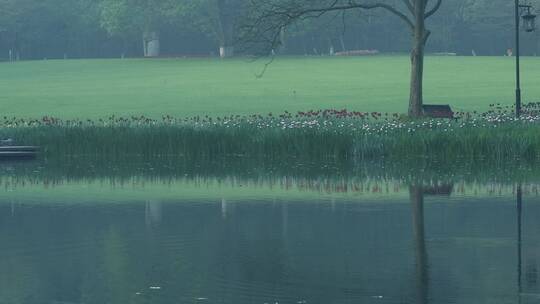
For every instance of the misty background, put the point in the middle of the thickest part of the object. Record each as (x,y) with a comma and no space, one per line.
(55,29)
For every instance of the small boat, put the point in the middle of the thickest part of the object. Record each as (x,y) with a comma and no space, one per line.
(18,152)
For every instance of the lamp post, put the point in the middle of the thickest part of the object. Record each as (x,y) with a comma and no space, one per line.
(529,23)
(519,201)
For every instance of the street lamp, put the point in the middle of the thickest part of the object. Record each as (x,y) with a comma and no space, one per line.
(529,24)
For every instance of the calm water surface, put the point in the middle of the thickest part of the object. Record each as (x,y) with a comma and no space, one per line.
(408,245)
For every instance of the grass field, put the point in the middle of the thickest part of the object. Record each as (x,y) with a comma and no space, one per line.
(187,87)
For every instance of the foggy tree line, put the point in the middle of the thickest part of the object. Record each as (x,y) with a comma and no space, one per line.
(38,29)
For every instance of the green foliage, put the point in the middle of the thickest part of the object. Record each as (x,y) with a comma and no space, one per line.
(128,16)
(37,29)
(216,19)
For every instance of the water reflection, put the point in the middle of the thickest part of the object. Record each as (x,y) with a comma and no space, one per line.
(417,194)
(386,241)
(519,205)
(422,272)
(530,290)
(152,212)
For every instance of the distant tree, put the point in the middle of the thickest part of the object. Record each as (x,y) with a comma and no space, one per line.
(50,28)
(38,29)
(493,21)
(453,30)
(219,19)
(228,14)
(73,27)
(269,17)
(341,31)
(126,18)
(14,21)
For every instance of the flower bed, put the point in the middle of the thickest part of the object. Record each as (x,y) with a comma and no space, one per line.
(310,135)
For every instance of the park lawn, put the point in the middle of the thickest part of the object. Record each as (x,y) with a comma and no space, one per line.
(188,87)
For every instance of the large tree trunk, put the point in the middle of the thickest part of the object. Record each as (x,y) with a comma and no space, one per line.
(420,36)
(417,73)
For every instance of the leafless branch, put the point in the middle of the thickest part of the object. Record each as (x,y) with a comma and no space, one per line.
(349,6)
(433,10)
(266,65)
(270,17)
(409,5)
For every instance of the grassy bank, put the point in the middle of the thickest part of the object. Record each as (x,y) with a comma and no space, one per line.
(189,87)
(314,136)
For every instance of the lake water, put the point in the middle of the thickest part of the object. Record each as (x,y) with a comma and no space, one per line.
(280,240)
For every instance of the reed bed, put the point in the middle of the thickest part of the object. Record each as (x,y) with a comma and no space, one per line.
(240,168)
(321,135)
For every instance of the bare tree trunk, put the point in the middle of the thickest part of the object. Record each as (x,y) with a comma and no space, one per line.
(417,74)
(145,45)
(417,61)
(342,41)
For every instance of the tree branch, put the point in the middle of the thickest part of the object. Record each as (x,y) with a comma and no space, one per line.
(352,5)
(433,10)
(260,29)
(409,5)
(426,37)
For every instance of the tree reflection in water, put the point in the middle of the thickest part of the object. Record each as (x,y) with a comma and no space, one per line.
(422,271)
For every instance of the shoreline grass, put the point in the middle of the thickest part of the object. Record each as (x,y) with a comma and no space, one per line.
(313,136)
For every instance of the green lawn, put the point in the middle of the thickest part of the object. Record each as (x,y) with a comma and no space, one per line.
(185,87)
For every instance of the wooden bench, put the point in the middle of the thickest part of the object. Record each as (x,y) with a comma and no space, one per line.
(438,111)
(444,190)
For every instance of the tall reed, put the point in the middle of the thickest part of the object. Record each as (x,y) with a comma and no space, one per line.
(307,136)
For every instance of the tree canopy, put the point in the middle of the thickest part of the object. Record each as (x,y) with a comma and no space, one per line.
(37,29)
